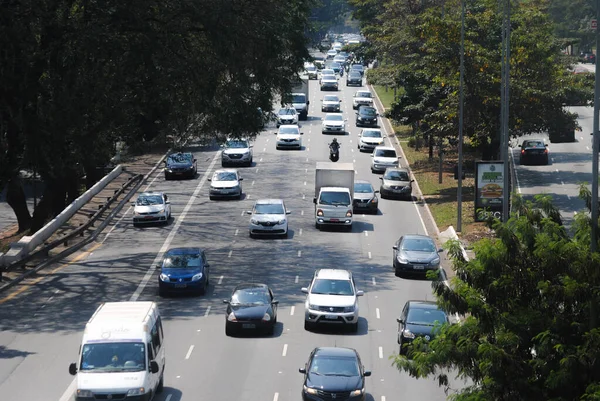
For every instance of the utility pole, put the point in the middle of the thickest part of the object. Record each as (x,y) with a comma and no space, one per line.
(594,236)
(461,116)
(506,101)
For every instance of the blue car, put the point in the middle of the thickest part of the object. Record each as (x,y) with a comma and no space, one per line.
(183,270)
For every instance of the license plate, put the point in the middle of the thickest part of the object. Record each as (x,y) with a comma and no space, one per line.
(148,217)
(180,285)
(418,267)
(334,219)
(331,317)
(248,326)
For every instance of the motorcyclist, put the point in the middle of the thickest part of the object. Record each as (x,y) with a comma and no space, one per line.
(334,145)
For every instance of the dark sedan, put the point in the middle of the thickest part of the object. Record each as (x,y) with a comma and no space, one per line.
(334,373)
(251,307)
(366,116)
(183,270)
(419,319)
(180,165)
(354,78)
(365,197)
(534,151)
(415,254)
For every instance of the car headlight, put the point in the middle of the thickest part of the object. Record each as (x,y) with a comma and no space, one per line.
(190,167)
(310,390)
(168,170)
(374,200)
(319,212)
(313,307)
(85,394)
(360,118)
(402,260)
(136,391)
(435,262)
(357,392)
(136,213)
(408,334)
(282,221)
(164,277)
(254,221)
(266,317)
(231,317)
(349,213)
(348,309)
(196,276)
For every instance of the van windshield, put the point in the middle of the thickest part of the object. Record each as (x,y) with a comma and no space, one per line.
(335,198)
(113,357)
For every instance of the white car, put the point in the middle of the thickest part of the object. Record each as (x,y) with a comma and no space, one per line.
(289,136)
(362,98)
(236,151)
(326,71)
(333,123)
(329,82)
(331,103)
(151,207)
(383,157)
(369,139)
(287,116)
(339,59)
(225,183)
(311,71)
(332,53)
(268,218)
(332,298)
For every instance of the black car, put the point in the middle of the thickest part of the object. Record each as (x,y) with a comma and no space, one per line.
(415,253)
(366,116)
(358,67)
(180,165)
(419,319)
(251,307)
(354,78)
(333,373)
(365,197)
(183,270)
(534,151)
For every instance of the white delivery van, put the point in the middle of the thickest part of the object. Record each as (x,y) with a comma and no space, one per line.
(122,355)
(334,192)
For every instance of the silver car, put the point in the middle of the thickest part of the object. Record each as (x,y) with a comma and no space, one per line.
(151,207)
(268,218)
(225,183)
(365,197)
(236,151)
(287,116)
(416,254)
(396,183)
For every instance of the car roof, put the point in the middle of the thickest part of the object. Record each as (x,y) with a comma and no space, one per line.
(385,148)
(362,182)
(184,251)
(364,107)
(418,304)
(337,274)
(151,193)
(251,286)
(334,114)
(405,170)
(181,153)
(417,236)
(289,126)
(269,202)
(528,141)
(371,129)
(226,170)
(335,352)
(361,92)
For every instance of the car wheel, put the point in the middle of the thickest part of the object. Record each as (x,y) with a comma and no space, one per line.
(202,290)
(308,325)
(250,235)
(162,292)
(167,178)
(271,330)
(249,164)
(229,331)
(211,197)
(317,226)
(284,236)
(161,384)
(354,327)
(239,197)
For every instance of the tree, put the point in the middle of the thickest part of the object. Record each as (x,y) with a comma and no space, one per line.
(528,301)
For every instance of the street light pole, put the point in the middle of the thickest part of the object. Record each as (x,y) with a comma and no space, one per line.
(594,236)
(461,116)
(505,114)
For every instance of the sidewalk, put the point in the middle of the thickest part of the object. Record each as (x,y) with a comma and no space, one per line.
(142,164)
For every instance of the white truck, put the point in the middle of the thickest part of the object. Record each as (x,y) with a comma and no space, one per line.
(334,191)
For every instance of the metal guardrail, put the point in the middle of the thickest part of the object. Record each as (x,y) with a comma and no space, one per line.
(78,232)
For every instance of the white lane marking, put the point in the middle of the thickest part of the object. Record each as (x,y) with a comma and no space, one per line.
(68,394)
(352,150)
(252,183)
(220,280)
(307,159)
(237,231)
(171,236)
(243,213)
(299,253)
(369,253)
(207,311)
(383,398)
(587,147)
(264,149)
(229,254)
(377,313)
(307,149)
(373,280)
(296,279)
(303,196)
(257,170)
(276,397)
(556,170)
(306,170)
(284,353)
(292,310)
(189,353)
(366,234)
(304,182)
(300,233)
(260,159)
(248,196)
(380,352)
(353,160)
(561,182)
(302,211)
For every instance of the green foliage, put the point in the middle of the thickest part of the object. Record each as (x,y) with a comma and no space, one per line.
(530,305)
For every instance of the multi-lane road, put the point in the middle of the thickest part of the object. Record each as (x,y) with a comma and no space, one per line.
(41,324)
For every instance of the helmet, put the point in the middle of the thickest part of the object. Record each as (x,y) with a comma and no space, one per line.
(334,140)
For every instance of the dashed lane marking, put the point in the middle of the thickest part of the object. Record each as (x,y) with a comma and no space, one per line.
(207,311)
(380,352)
(276,397)
(300,233)
(189,353)
(237,231)
(284,353)
(377,313)
(366,233)
(369,253)
(296,279)
(220,280)
(299,253)
(243,213)
(252,183)
(229,254)
(373,281)
(292,309)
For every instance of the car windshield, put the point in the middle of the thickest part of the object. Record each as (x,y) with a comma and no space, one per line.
(298,99)
(395,175)
(371,134)
(334,366)
(335,65)
(288,130)
(269,208)
(534,144)
(113,357)
(355,74)
(237,144)
(357,67)
(250,296)
(363,94)
(149,200)
(329,78)
(287,112)
(385,153)
(182,261)
(335,198)
(328,71)
(368,111)
(332,287)
(311,68)
(425,317)
(331,98)
(418,245)
(334,117)
(363,188)
(180,158)
(225,176)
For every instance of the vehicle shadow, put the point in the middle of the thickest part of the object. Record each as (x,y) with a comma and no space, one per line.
(8,353)
(277,332)
(338,329)
(169,393)
(290,235)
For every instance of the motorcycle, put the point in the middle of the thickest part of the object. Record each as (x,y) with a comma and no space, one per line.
(334,152)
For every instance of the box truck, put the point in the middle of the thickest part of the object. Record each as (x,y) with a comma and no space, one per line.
(334,191)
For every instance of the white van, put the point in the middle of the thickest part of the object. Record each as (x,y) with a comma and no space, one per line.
(122,354)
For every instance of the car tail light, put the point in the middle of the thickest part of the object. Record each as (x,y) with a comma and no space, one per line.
(522,151)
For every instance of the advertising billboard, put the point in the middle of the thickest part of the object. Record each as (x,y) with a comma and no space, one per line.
(489,189)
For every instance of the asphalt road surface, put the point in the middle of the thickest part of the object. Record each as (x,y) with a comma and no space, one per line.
(41,325)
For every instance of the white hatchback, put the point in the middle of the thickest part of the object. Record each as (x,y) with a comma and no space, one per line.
(268,218)
(333,123)
(151,207)
(369,139)
(383,157)
(289,136)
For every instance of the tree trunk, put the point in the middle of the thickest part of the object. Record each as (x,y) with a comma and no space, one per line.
(43,209)
(15,197)
(92,175)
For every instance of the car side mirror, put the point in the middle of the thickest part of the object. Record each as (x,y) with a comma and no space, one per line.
(248,211)
(275,303)
(304,290)
(73,369)
(132,203)
(395,247)
(315,201)
(376,192)
(372,155)
(195,160)
(546,145)
(302,133)
(240,179)
(400,321)
(225,301)
(302,370)
(412,180)
(381,178)
(251,146)
(440,250)
(210,179)
(367,373)
(154,367)
(360,293)
(288,212)
(207,265)
(167,202)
